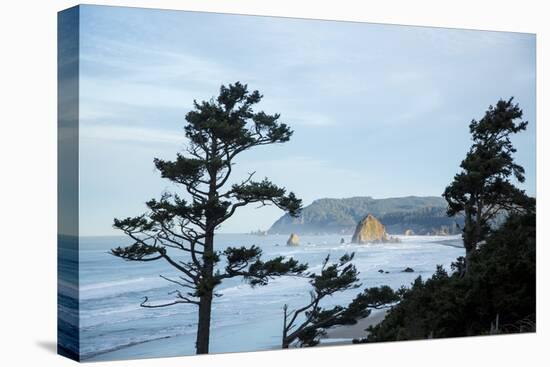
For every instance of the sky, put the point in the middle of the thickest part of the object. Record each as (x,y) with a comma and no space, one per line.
(377,110)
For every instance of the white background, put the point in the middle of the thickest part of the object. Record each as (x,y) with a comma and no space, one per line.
(28,182)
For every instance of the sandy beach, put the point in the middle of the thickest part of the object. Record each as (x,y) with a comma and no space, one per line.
(357,331)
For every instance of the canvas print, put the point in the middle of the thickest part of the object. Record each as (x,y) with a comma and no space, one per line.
(233,183)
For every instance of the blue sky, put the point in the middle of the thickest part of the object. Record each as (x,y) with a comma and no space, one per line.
(377,110)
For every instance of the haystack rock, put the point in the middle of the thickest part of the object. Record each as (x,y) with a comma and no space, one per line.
(293,240)
(370,230)
(409,232)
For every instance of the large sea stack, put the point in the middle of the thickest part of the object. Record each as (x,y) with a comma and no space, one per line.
(370,230)
(293,240)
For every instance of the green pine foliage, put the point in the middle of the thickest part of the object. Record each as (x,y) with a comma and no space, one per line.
(484,188)
(186,221)
(305,325)
(492,288)
(498,296)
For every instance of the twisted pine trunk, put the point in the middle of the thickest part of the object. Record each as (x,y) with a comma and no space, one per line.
(284,340)
(207,273)
(470,237)
(203,330)
(205,302)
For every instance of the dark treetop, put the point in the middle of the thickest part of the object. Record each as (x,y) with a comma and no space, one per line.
(484,188)
(217,131)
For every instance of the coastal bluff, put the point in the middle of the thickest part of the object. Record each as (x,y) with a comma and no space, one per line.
(422,215)
(370,230)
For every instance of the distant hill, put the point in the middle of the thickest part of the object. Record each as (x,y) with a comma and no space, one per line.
(422,215)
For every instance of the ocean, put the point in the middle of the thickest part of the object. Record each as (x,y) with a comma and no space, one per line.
(114,326)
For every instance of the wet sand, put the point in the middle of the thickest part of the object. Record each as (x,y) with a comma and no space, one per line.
(356,331)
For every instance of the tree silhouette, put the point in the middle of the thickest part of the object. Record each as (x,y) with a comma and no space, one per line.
(483,188)
(217,130)
(306,324)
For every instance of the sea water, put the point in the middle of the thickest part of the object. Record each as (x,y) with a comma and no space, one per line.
(114,326)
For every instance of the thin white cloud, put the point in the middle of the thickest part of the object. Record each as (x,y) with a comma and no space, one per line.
(132,93)
(123,133)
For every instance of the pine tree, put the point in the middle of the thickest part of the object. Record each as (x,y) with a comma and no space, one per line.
(217,130)
(483,189)
(306,324)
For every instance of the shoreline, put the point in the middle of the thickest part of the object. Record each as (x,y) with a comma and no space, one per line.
(342,333)
(255,324)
